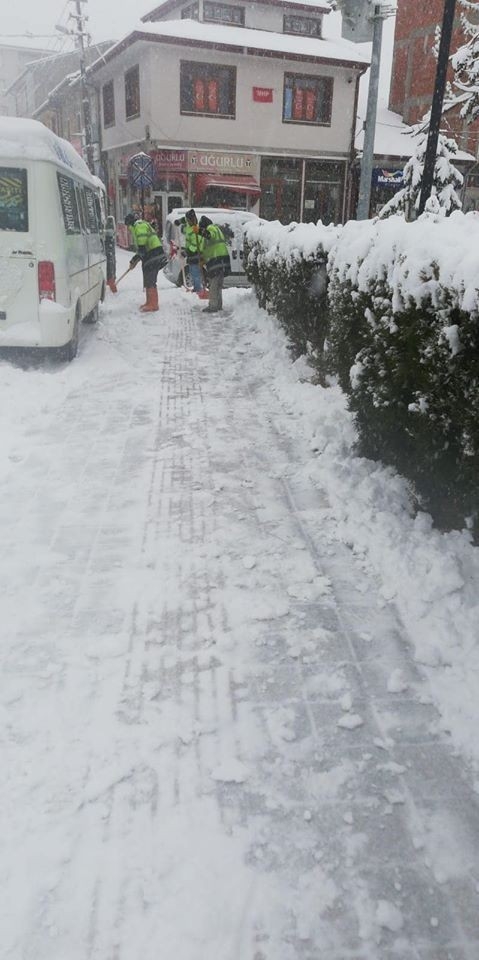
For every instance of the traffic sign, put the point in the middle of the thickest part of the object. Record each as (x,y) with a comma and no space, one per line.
(141,171)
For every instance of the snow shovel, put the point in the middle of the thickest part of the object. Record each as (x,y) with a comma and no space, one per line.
(113,284)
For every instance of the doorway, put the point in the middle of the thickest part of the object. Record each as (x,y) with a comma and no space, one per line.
(165,202)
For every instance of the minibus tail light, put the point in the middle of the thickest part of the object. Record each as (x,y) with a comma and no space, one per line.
(46,280)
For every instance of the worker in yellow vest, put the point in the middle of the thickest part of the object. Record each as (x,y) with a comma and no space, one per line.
(149,250)
(216,259)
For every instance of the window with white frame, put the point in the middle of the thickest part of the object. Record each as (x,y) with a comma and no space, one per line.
(132,93)
(223,13)
(302,26)
(307,99)
(207,89)
(108,97)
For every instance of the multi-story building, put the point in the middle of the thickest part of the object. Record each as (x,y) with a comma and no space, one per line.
(240,104)
(49,90)
(13,61)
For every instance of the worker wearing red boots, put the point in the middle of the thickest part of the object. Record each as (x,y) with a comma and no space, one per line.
(150,252)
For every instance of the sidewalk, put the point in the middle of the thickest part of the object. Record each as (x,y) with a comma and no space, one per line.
(216,743)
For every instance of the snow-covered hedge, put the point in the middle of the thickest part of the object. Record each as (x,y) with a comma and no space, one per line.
(400,317)
(287,268)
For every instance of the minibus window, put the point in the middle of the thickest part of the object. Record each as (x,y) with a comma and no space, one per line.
(80,194)
(93,220)
(71,217)
(13,199)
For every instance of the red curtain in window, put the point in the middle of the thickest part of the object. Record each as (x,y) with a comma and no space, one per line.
(310,110)
(213,96)
(199,91)
(298,103)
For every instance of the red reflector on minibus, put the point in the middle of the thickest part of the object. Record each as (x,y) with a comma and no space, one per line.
(46,280)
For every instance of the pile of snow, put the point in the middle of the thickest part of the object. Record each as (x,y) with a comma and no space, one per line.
(430,576)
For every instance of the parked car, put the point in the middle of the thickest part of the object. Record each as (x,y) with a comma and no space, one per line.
(232,224)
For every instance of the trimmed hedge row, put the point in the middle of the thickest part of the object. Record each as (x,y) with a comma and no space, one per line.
(397,323)
(298,252)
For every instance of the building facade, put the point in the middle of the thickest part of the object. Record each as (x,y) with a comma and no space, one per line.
(13,61)
(244,105)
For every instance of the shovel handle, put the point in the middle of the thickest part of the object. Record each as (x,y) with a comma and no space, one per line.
(123,275)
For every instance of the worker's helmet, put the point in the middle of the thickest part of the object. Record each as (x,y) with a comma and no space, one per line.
(130,219)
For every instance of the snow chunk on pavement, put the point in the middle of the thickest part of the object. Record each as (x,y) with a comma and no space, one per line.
(231,771)
(351,721)
(396,682)
(388,916)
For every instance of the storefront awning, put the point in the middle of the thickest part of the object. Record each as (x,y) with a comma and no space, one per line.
(239,184)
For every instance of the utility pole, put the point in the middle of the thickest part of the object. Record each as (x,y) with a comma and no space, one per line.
(437,102)
(362,21)
(81,34)
(367,160)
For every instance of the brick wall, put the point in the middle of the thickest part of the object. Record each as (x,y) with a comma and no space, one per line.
(414,67)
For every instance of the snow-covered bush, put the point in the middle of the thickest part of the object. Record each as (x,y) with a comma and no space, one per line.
(404,340)
(398,324)
(286,265)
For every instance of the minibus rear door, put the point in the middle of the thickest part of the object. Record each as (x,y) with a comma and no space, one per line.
(18,263)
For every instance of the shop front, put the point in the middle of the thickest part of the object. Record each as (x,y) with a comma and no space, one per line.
(203,178)
(295,189)
(224,179)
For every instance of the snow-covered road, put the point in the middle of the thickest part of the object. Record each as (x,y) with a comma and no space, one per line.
(215,742)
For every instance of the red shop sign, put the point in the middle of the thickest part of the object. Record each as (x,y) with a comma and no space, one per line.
(263,94)
(169,159)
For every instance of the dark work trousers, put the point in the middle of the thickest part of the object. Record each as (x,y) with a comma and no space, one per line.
(151,263)
(216,290)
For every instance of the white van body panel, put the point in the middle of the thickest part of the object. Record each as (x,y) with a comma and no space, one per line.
(61,194)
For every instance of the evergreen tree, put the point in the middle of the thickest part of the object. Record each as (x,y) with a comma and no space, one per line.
(465,63)
(446,184)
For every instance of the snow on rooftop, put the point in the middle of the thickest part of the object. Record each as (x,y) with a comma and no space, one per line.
(32,140)
(261,40)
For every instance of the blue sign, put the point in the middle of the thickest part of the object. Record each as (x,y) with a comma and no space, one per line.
(387,178)
(141,171)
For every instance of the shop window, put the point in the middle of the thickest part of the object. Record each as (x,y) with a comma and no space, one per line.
(307,99)
(132,93)
(281,188)
(108,94)
(323,191)
(207,90)
(223,13)
(302,26)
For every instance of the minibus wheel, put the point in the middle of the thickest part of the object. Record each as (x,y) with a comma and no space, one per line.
(72,347)
(93,316)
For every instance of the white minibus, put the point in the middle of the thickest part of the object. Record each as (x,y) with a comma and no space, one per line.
(52,249)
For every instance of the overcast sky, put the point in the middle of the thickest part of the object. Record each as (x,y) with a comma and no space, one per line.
(112,19)
(108,19)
